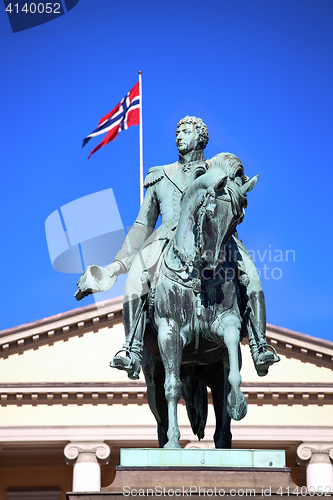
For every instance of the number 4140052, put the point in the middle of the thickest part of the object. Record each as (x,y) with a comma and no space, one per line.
(32,8)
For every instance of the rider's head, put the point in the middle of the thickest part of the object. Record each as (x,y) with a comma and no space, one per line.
(191,134)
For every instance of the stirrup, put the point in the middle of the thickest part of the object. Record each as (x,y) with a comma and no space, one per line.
(276,356)
(128,356)
(129,366)
(262,367)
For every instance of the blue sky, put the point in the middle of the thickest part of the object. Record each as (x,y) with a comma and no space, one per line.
(258,72)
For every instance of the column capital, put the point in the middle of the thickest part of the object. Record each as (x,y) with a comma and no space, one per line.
(315,452)
(87,451)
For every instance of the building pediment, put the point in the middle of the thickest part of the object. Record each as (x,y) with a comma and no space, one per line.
(109,312)
(66,361)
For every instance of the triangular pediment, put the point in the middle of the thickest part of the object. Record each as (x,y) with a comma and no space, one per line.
(73,349)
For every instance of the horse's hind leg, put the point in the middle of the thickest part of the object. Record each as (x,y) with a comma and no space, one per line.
(216,377)
(154,374)
(236,404)
(171,346)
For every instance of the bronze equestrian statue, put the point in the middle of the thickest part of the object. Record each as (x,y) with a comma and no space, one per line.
(195,282)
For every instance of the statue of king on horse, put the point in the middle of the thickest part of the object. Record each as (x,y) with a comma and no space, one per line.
(192,291)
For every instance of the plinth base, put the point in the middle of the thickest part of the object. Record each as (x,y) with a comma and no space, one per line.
(201,480)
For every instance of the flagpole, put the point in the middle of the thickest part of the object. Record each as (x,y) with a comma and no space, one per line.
(141,141)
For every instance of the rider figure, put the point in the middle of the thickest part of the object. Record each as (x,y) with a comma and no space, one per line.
(143,248)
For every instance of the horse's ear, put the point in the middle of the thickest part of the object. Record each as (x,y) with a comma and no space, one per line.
(220,184)
(249,185)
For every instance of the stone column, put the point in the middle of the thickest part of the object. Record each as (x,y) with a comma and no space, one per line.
(319,469)
(87,458)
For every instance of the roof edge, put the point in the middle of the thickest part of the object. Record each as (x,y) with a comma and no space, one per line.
(298,335)
(113,305)
(116,305)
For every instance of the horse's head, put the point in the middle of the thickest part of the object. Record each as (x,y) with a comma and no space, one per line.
(221,205)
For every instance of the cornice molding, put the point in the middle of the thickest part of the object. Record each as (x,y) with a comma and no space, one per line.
(318,352)
(115,304)
(109,312)
(298,337)
(117,435)
(62,326)
(111,393)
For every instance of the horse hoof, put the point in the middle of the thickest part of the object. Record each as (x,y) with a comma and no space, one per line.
(237,407)
(172,444)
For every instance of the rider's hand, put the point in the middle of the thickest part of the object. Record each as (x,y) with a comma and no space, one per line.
(80,295)
(83,290)
(113,269)
(97,279)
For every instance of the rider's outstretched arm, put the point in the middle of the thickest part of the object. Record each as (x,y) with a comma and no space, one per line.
(139,233)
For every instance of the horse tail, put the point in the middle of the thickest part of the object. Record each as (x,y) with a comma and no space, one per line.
(194,392)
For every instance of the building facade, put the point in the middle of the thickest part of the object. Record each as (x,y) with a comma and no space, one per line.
(65,413)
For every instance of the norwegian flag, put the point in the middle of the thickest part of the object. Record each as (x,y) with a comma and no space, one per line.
(125,114)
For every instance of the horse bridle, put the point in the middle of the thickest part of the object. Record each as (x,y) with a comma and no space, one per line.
(237,208)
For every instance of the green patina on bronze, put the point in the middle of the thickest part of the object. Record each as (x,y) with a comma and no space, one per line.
(154,457)
(192,291)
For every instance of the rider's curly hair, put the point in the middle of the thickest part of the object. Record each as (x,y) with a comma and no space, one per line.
(200,126)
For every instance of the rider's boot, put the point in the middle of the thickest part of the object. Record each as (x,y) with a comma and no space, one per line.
(134,324)
(262,358)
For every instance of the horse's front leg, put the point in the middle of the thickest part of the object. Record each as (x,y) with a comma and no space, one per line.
(236,404)
(171,349)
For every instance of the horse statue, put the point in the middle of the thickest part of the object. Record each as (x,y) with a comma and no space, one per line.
(195,311)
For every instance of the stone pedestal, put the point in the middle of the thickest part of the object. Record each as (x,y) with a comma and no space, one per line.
(200,473)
